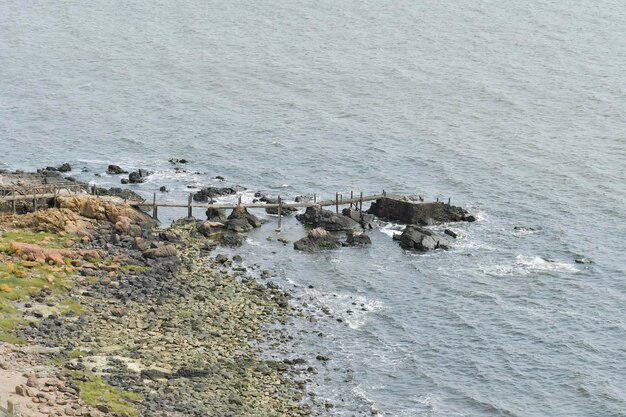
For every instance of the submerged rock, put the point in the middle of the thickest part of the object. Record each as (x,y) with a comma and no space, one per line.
(411,212)
(419,239)
(317,217)
(317,240)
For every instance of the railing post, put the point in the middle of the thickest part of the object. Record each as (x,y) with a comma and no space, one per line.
(55,197)
(337,202)
(154,206)
(14,200)
(361,202)
(35,200)
(189,208)
(351,197)
(280,214)
(315,198)
(448,201)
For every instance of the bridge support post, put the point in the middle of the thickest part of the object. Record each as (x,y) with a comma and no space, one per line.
(189,208)
(337,203)
(280,214)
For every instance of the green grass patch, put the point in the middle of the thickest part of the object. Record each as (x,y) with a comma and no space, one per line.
(95,392)
(133,269)
(75,354)
(22,282)
(9,338)
(70,306)
(46,239)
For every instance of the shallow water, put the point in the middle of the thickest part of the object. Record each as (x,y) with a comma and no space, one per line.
(515,111)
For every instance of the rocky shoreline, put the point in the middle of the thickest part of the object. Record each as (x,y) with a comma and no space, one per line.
(110,315)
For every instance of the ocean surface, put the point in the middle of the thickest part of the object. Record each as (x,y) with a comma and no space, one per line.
(514,110)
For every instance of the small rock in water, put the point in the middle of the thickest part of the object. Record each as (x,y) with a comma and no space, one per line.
(450,233)
(164,189)
(583,261)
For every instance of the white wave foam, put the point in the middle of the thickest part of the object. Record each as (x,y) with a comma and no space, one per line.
(537,263)
(391,229)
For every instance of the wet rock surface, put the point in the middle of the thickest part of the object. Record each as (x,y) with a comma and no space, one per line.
(317,240)
(420,239)
(317,217)
(412,212)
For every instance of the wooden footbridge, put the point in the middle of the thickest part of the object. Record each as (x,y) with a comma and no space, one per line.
(36,193)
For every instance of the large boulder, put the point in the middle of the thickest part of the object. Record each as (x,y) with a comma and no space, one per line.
(216,215)
(419,239)
(315,216)
(137,177)
(411,212)
(241,221)
(106,208)
(161,252)
(115,170)
(364,219)
(317,240)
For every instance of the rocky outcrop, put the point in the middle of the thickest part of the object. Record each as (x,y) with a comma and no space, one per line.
(216,215)
(209,192)
(317,240)
(364,219)
(104,209)
(241,221)
(357,239)
(115,170)
(416,212)
(315,216)
(124,193)
(137,177)
(33,252)
(419,239)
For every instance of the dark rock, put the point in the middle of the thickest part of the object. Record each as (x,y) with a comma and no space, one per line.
(274,210)
(124,193)
(583,261)
(191,373)
(358,216)
(221,259)
(450,233)
(232,239)
(411,212)
(523,229)
(178,161)
(470,219)
(115,170)
(124,181)
(317,240)
(164,189)
(216,215)
(316,217)
(242,221)
(209,192)
(137,177)
(64,168)
(419,239)
(154,374)
(357,239)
